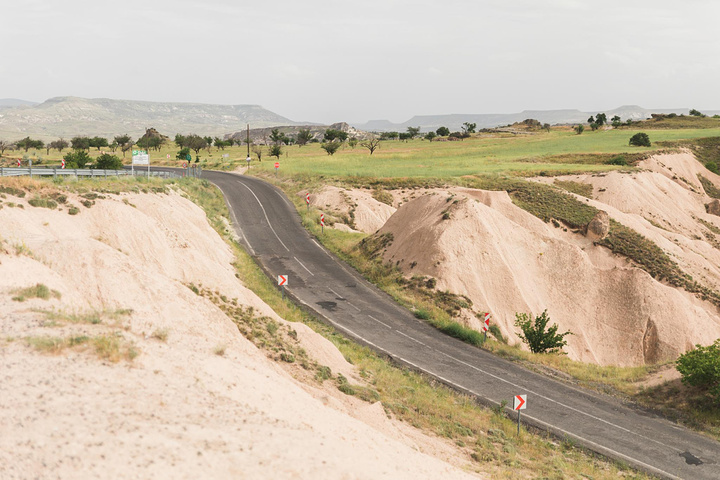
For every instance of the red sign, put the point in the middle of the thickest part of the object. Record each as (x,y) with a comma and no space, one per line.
(486,322)
(322,219)
(307,199)
(18,162)
(62,163)
(277,164)
(519,402)
(282,280)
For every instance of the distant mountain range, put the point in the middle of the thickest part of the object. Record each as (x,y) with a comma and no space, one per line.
(489,120)
(14,102)
(72,116)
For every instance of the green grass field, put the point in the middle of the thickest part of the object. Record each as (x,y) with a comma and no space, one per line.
(556,152)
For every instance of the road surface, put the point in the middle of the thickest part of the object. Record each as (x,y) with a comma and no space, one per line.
(270,228)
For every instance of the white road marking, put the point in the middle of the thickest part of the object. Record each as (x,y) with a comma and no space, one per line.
(460,387)
(554,401)
(301,264)
(411,338)
(265,213)
(336,294)
(381,323)
(356,308)
(321,248)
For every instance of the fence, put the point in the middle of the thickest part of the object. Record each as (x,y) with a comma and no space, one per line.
(78,172)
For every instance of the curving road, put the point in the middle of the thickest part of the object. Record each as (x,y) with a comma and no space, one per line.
(270,228)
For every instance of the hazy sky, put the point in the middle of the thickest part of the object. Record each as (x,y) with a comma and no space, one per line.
(336,60)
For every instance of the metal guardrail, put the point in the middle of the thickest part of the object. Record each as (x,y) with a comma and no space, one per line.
(80,172)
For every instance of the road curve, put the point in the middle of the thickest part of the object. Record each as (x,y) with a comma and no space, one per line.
(270,228)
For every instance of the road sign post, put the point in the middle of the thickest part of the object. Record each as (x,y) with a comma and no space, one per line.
(486,324)
(322,222)
(307,200)
(248,161)
(282,281)
(519,403)
(277,166)
(140,157)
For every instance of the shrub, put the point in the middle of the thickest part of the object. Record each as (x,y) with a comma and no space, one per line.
(331,147)
(535,335)
(713,167)
(640,139)
(108,162)
(701,368)
(579,129)
(618,160)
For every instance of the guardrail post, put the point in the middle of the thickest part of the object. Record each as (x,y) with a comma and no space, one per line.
(76,174)
(2,172)
(54,172)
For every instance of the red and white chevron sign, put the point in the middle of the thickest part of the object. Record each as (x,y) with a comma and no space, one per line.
(62,163)
(322,219)
(307,198)
(519,402)
(282,280)
(19,162)
(486,322)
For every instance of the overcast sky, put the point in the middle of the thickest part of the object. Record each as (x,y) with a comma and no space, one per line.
(337,60)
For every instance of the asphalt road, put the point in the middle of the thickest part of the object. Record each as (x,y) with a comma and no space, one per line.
(270,228)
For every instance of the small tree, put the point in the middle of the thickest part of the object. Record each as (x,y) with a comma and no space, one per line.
(108,162)
(331,135)
(640,139)
(430,136)
(353,143)
(28,143)
(468,127)
(276,151)
(405,136)
(579,129)
(443,131)
(371,144)
(80,143)
(196,143)
(601,119)
(594,126)
(77,159)
(616,121)
(98,142)
(535,335)
(258,150)
(591,119)
(331,147)
(413,131)
(701,368)
(276,136)
(304,136)
(183,153)
(696,113)
(125,142)
(546,127)
(4,145)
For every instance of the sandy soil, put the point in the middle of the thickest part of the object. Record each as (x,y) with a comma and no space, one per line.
(178,410)
(506,261)
(361,211)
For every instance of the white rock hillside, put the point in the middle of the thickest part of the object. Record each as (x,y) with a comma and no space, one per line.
(179,409)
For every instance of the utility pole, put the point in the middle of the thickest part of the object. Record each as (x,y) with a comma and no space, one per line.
(247,140)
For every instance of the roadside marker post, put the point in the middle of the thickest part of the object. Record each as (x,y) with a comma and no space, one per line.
(277,166)
(248,161)
(519,403)
(486,323)
(282,281)
(322,222)
(307,200)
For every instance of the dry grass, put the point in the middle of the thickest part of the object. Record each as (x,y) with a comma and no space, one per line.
(110,347)
(38,290)
(485,436)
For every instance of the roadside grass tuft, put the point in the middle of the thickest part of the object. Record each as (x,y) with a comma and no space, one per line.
(160,334)
(109,347)
(39,290)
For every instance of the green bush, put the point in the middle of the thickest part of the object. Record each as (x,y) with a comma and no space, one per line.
(535,335)
(701,368)
(618,160)
(108,162)
(77,159)
(713,167)
(640,139)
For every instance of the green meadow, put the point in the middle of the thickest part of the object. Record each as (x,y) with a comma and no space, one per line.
(556,152)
